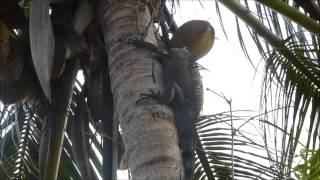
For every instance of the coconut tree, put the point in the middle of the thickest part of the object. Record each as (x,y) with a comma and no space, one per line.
(58,126)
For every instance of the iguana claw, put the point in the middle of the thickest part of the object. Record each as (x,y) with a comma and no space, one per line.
(156,95)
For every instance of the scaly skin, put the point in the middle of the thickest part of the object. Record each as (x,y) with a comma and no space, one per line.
(196,38)
(183,85)
(181,70)
(184,93)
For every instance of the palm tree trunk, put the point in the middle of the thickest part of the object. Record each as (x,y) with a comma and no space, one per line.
(148,130)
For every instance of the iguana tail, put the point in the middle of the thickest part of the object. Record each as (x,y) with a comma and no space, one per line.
(185,122)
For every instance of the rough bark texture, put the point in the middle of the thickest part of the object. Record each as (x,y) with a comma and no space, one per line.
(149,134)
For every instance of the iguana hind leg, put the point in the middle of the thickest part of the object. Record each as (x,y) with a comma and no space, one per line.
(165,98)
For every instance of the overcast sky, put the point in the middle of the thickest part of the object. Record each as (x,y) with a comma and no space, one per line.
(229,72)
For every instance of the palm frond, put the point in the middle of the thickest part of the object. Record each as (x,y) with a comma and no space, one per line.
(299,94)
(292,78)
(20,146)
(18,156)
(21,129)
(250,158)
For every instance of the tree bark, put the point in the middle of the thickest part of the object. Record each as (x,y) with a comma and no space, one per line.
(148,129)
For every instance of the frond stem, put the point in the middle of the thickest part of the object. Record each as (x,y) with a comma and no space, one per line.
(294,14)
(277,43)
(63,99)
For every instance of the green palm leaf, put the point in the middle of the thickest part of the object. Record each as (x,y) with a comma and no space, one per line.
(292,74)
(251,158)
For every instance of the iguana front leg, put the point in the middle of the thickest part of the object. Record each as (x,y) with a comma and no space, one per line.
(180,86)
(171,91)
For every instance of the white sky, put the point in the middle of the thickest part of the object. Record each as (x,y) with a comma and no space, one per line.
(229,72)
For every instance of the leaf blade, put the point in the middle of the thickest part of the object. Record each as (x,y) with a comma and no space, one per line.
(42,43)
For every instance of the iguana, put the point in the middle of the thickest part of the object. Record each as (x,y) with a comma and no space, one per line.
(183,92)
(183,85)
